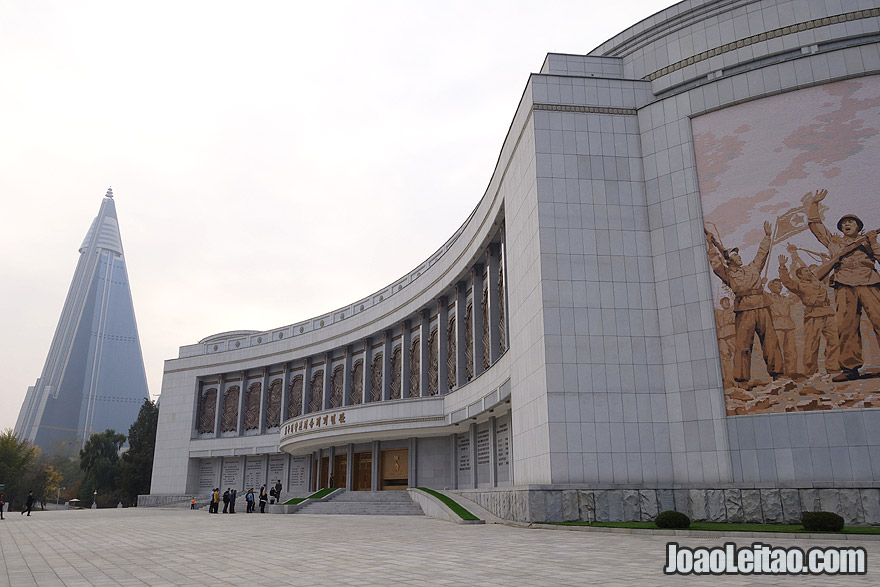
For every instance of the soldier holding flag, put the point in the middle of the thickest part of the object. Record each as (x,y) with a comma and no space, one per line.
(750,305)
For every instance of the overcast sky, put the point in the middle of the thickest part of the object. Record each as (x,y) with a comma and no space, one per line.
(271,161)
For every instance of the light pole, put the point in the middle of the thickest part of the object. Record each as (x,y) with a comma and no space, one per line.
(94,500)
(58,495)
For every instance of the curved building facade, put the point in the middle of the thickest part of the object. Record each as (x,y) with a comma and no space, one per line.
(653,306)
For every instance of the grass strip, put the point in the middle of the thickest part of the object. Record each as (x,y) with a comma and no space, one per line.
(451,504)
(316,495)
(724,527)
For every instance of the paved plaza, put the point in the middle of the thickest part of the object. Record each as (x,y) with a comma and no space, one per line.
(182,547)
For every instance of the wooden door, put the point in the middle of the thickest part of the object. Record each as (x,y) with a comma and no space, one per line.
(394,470)
(363,471)
(340,470)
(325,472)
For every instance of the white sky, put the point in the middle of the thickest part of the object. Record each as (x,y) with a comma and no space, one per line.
(271,161)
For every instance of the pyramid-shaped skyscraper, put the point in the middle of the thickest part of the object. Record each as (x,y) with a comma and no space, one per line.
(94,376)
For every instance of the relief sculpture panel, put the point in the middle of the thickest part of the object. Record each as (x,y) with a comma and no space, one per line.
(791,219)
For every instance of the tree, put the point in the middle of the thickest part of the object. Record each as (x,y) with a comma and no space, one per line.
(136,468)
(99,458)
(15,457)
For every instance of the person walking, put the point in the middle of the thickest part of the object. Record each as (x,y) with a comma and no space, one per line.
(263,499)
(29,504)
(192,503)
(278,487)
(232,497)
(2,505)
(249,498)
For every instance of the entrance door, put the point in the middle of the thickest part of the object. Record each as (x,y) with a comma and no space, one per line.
(340,470)
(325,473)
(394,470)
(363,471)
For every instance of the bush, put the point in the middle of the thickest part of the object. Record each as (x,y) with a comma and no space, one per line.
(821,522)
(672,519)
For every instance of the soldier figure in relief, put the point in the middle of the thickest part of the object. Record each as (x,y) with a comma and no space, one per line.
(751,305)
(855,281)
(724,319)
(819,320)
(780,309)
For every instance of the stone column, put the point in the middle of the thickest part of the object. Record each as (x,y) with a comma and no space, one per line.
(242,393)
(374,474)
(405,342)
(200,385)
(412,454)
(264,398)
(367,370)
(349,465)
(386,365)
(424,350)
(331,466)
(219,408)
(477,313)
(493,462)
(346,376)
(494,309)
(442,345)
(460,342)
(285,383)
(502,268)
(307,384)
(328,382)
(319,470)
(472,432)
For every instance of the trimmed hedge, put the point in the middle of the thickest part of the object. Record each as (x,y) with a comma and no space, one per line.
(672,519)
(821,522)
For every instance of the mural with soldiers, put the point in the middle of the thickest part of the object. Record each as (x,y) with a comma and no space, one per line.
(790,191)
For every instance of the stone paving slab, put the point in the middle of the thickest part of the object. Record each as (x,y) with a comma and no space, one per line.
(152,546)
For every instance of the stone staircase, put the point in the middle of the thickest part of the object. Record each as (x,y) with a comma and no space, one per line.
(365,503)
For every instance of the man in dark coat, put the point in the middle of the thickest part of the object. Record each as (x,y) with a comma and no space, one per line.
(226,501)
(30,502)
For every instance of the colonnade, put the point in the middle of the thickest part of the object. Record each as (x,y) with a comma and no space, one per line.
(436,351)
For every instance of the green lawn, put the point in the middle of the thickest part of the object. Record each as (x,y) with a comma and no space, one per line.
(722,527)
(451,504)
(316,495)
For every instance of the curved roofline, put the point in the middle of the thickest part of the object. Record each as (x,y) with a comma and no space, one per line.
(406,278)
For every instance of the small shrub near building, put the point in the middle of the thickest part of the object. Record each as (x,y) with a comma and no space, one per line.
(821,522)
(672,520)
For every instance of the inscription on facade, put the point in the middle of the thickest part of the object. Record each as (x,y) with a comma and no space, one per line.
(297,472)
(231,473)
(502,444)
(324,421)
(464,452)
(276,468)
(207,472)
(253,472)
(483,447)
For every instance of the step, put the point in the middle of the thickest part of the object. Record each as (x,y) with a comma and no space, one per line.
(372,496)
(362,509)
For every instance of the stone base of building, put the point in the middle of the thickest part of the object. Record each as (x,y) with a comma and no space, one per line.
(859,506)
(169,501)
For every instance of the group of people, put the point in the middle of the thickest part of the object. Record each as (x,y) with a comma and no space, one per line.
(251,498)
(834,295)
